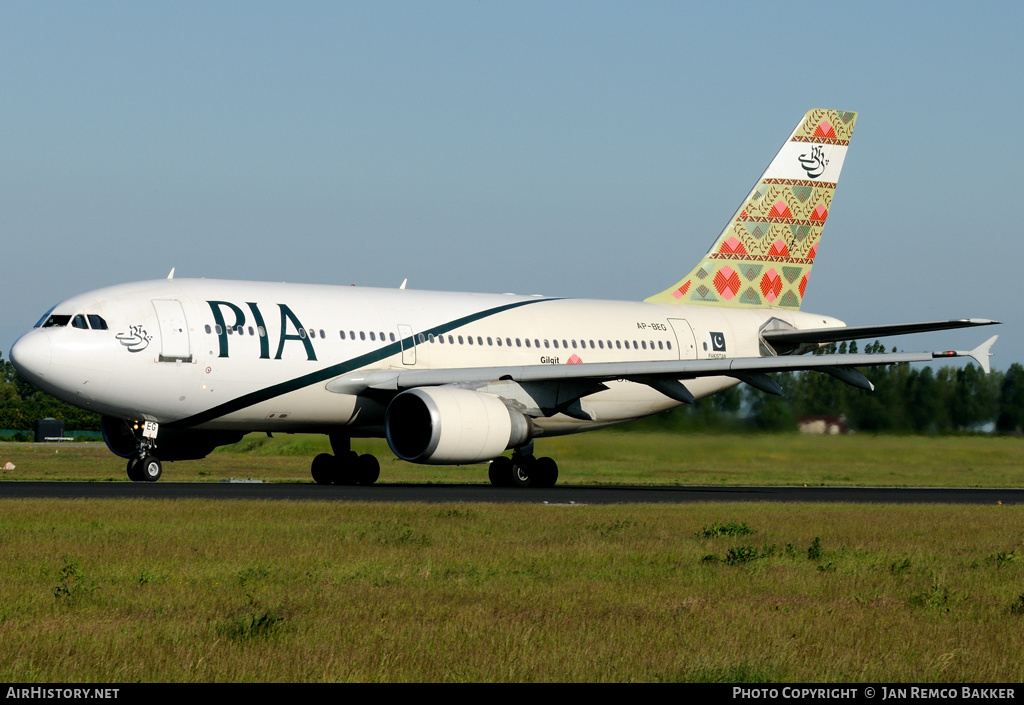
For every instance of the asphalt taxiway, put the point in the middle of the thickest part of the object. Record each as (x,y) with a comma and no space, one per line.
(564,494)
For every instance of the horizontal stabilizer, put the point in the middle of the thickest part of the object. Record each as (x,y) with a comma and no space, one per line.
(835,335)
(981,354)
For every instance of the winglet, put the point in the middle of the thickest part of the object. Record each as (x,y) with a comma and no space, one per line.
(980,354)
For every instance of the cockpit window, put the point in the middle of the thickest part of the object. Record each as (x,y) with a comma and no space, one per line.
(81,321)
(46,315)
(56,321)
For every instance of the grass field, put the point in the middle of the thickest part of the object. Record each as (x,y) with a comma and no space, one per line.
(139,590)
(602,457)
(189,590)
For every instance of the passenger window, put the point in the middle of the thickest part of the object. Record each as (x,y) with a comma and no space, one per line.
(372,336)
(342,334)
(262,331)
(362,335)
(470,340)
(527,342)
(208,329)
(392,336)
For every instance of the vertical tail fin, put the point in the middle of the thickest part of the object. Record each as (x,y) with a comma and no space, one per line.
(764,256)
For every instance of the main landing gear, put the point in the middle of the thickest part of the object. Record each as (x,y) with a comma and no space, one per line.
(345,467)
(523,469)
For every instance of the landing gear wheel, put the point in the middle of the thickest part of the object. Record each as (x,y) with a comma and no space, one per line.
(500,472)
(544,472)
(367,469)
(133,470)
(150,468)
(522,473)
(346,464)
(324,469)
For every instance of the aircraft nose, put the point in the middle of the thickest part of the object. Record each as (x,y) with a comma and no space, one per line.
(32,354)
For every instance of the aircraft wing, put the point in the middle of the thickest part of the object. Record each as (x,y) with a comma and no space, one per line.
(663,375)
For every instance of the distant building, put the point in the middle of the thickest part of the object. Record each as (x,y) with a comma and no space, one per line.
(823,425)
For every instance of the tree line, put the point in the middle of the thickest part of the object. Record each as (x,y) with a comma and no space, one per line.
(906,400)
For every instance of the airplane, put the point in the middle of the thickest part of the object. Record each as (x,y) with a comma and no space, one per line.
(177,367)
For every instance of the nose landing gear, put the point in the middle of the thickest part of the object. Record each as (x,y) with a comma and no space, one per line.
(148,468)
(143,466)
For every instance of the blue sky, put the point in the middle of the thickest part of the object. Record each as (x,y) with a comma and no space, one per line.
(585,149)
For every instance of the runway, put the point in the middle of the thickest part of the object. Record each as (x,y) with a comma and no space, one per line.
(561,495)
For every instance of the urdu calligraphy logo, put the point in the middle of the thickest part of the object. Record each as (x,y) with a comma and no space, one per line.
(136,339)
(814,164)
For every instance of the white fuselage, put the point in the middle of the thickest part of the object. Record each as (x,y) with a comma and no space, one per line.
(257,356)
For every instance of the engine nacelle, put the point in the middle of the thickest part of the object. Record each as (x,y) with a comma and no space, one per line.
(451,426)
(171,443)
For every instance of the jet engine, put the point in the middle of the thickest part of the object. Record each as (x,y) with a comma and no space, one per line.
(171,443)
(452,426)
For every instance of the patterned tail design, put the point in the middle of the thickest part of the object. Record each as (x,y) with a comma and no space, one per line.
(764,256)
